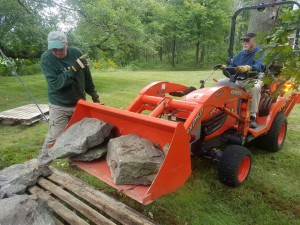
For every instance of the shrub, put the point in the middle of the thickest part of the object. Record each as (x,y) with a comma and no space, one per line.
(22,66)
(106,65)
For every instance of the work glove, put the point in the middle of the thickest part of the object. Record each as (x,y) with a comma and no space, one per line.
(96,98)
(242,69)
(219,66)
(80,64)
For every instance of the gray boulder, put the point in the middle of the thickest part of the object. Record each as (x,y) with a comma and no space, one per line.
(16,178)
(133,160)
(2,194)
(25,210)
(94,153)
(80,137)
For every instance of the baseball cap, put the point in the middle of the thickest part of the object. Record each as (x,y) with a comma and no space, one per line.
(248,36)
(56,39)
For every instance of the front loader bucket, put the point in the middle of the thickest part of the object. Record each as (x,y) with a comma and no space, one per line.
(176,167)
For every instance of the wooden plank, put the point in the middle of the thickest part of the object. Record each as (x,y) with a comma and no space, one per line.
(116,210)
(25,112)
(58,207)
(75,203)
(57,221)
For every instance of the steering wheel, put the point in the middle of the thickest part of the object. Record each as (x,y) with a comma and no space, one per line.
(233,76)
(230,73)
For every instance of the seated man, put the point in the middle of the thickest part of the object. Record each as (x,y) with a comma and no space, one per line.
(249,60)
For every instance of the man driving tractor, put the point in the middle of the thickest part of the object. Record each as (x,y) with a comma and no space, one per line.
(245,61)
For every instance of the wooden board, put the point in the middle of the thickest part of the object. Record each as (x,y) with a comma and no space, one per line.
(27,114)
(75,202)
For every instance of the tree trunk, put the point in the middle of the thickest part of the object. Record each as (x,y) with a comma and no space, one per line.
(197,51)
(160,52)
(202,54)
(262,22)
(173,49)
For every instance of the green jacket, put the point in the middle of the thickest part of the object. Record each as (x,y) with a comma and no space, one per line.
(65,88)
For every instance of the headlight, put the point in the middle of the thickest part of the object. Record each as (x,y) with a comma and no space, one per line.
(288,86)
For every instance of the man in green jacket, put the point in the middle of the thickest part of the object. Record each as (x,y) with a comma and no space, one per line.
(68,80)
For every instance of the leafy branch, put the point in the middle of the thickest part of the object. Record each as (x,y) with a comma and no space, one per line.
(283,51)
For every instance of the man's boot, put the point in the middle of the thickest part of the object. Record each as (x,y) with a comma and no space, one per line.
(253,123)
(45,170)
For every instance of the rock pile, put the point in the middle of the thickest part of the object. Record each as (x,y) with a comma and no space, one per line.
(18,208)
(25,210)
(131,158)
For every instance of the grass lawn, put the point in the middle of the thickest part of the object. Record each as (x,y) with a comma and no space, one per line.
(271,195)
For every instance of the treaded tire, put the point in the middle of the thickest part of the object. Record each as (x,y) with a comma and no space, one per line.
(234,165)
(274,139)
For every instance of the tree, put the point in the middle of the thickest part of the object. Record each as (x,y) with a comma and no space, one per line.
(282,46)
(211,30)
(123,30)
(278,28)
(263,21)
(113,28)
(202,25)
(175,28)
(22,29)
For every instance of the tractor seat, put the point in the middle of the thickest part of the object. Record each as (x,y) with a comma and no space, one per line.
(225,82)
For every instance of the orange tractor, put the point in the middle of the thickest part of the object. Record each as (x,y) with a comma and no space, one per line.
(201,122)
(210,121)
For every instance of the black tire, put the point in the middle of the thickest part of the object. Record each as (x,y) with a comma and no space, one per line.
(275,138)
(234,165)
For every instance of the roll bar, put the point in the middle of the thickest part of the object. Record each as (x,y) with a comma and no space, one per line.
(258,7)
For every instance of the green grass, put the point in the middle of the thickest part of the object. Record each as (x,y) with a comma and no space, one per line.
(271,195)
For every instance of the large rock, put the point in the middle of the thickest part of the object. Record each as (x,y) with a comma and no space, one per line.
(80,137)
(16,178)
(133,160)
(96,152)
(25,210)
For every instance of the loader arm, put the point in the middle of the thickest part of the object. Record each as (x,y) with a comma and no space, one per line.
(194,107)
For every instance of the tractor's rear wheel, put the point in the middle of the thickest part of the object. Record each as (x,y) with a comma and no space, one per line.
(234,165)
(274,139)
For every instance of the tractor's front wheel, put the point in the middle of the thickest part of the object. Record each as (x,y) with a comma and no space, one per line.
(274,139)
(234,165)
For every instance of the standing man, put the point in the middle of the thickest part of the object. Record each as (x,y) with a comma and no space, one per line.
(68,80)
(249,59)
